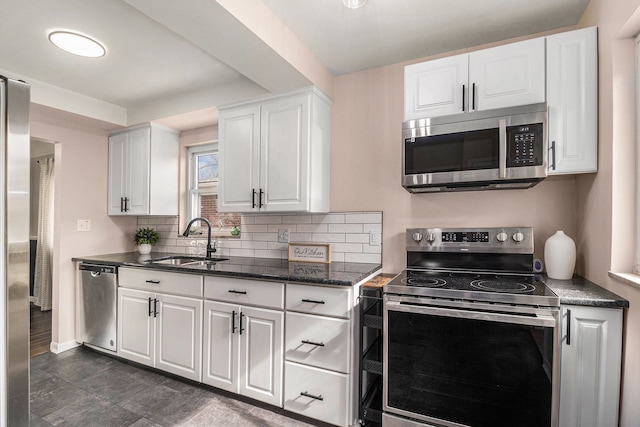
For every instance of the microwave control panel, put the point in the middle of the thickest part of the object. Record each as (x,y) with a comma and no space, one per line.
(524,145)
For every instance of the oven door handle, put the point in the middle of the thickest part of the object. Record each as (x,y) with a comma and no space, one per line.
(538,320)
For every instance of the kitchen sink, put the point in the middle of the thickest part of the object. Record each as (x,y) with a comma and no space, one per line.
(186,260)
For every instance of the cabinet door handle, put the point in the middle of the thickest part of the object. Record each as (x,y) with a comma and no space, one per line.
(318,344)
(241,328)
(312,301)
(233,322)
(306,394)
(121,204)
(260,199)
(568,327)
(463,87)
(253,198)
(126,201)
(155,282)
(552,149)
(155,308)
(150,310)
(233,291)
(473,97)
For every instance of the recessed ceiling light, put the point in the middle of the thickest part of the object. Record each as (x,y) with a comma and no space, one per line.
(354,4)
(77,44)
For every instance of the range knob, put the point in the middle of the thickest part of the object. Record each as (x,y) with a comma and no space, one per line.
(502,237)
(431,237)
(417,237)
(518,237)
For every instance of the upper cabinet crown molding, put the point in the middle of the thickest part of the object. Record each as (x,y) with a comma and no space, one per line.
(274,154)
(503,76)
(143,171)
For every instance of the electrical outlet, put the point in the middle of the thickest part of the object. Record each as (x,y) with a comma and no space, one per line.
(283,235)
(375,238)
(83,225)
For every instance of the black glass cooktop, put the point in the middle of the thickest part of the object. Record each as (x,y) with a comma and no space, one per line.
(524,288)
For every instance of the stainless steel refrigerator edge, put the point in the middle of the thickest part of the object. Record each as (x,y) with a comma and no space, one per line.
(14,252)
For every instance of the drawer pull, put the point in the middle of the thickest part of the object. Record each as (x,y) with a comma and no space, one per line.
(319,344)
(233,291)
(312,301)
(305,394)
(155,282)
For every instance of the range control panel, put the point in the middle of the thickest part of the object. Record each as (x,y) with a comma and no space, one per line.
(487,240)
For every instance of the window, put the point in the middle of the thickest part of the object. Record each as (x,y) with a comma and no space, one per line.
(203,187)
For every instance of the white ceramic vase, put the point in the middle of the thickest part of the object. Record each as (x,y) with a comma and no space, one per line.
(560,256)
(144,248)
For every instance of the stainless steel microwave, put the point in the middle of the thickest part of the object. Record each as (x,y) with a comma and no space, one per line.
(482,150)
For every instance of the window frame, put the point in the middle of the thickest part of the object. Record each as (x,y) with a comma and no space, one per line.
(193,192)
(636,263)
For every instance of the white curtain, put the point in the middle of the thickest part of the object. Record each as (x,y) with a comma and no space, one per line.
(44,251)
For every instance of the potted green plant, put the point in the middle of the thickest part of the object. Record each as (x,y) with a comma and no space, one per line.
(145,238)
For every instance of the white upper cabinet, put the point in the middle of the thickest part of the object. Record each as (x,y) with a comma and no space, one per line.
(274,154)
(507,76)
(503,76)
(143,171)
(572,98)
(436,88)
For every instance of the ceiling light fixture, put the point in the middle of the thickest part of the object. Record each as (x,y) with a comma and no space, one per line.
(354,4)
(77,44)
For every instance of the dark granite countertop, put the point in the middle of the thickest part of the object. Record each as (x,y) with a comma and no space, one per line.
(336,273)
(580,291)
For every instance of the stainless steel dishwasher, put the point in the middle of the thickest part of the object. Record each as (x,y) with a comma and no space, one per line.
(99,296)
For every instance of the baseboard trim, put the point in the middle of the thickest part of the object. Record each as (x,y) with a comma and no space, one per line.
(62,347)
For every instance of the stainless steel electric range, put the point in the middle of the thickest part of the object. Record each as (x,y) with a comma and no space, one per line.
(471,333)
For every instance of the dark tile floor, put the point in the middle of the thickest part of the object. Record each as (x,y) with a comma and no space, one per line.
(81,387)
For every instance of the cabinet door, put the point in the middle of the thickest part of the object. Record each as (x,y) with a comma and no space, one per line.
(117,175)
(221,345)
(137,166)
(136,326)
(284,144)
(436,88)
(509,75)
(261,344)
(590,366)
(239,160)
(572,99)
(179,339)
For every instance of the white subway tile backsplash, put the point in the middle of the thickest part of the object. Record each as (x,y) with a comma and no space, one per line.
(347,232)
(364,218)
(345,228)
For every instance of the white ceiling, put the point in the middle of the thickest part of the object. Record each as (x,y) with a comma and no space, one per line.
(178,60)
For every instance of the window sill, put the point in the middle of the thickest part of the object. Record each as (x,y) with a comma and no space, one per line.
(629,279)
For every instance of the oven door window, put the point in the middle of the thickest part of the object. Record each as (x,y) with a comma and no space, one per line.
(471,372)
(452,152)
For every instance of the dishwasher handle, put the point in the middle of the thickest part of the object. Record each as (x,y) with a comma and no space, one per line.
(97,269)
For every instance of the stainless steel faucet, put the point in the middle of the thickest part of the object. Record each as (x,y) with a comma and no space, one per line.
(210,248)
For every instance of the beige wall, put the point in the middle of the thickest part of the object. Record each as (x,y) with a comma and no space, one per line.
(80,193)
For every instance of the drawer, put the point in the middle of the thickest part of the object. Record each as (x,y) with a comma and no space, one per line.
(319,300)
(245,292)
(316,393)
(318,341)
(161,281)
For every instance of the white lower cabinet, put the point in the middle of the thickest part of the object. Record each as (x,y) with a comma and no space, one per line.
(320,376)
(243,350)
(317,393)
(590,366)
(162,331)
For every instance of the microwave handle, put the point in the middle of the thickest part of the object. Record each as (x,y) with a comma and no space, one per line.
(502,130)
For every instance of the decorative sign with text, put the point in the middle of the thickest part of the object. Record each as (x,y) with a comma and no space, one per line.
(310,252)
